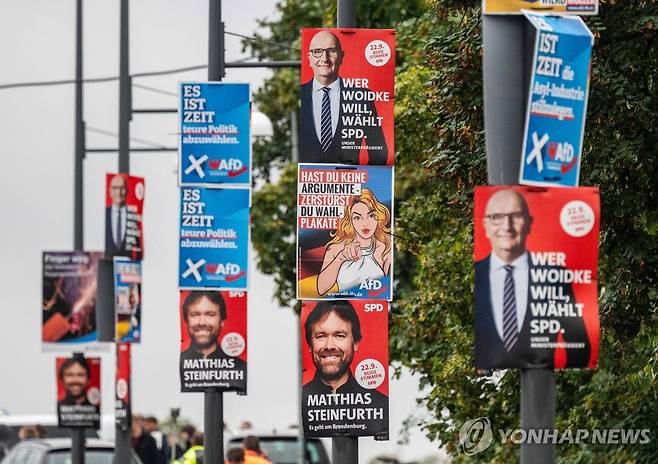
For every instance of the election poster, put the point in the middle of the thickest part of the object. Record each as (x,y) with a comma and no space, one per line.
(213,340)
(78,391)
(127,300)
(122,409)
(557,101)
(214,238)
(347,92)
(69,283)
(124,203)
(536,255)
(345,368)
(344,239)
(576,7)
(214,137)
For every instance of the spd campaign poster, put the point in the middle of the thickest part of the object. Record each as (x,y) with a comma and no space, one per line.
(344,239)
(557,102)
(213,350)
(122,405)
(124,203)
(536,255)
(78,391)
(345,368)
(69,283)
(347,90)
(214,142)
(127,300)
(577,7)
(214,238)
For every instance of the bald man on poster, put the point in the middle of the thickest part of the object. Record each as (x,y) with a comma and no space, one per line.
(505,328)
(324,135)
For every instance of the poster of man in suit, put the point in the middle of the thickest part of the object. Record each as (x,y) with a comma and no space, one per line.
(347,95)
(536,254)
(124,201)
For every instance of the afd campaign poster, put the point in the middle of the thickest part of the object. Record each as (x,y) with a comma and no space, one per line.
(344,239)
(69,283)
(347,90)
(124,203)
(345,368)
(127,300)
(557,102)
(578,7)
(536,254)
(214,142)
(78,391)
(213,349)
(122,405)
(214,238)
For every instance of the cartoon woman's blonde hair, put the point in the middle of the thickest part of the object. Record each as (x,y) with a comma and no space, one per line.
(345,232)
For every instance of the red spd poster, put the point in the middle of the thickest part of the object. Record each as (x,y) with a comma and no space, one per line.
(124,201)
(536,255)
(78,391)
(213,340)
(122,410)
(347,81)
(345,368)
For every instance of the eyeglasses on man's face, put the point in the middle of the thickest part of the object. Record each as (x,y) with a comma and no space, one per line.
(319,52)
(497,219)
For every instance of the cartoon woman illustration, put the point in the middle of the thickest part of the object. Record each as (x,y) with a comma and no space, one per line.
(360,249)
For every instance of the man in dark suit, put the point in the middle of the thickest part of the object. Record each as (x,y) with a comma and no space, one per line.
(328,133)
(506,332)
(116,217)
(122,229)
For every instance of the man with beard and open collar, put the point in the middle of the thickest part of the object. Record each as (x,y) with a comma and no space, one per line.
(74,374)
(75,409)
(333,399)
(204,313)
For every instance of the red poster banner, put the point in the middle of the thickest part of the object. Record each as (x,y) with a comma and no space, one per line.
(345,368)
(347,93)
(213,340)
(536,255)
(124,202)
(122,409)
(78,391)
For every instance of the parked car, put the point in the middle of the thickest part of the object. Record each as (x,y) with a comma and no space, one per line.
(281,447)
(48,422)
(58,451)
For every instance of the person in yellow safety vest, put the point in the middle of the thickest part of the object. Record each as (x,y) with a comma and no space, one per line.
(194,455)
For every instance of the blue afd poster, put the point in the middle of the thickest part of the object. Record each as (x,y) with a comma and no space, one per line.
(557,103)
(214,142)
(214,238)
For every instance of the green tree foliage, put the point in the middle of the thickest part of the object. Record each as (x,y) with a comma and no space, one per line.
(440,158)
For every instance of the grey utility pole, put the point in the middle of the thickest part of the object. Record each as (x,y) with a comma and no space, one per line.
(123,439)
(507,66)
(78,433)
(213,400)
(345,450)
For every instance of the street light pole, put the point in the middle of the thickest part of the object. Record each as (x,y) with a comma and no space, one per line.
(78,433)
(345,450)
(213,404)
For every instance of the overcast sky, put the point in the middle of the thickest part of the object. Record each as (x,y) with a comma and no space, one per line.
(36,206)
